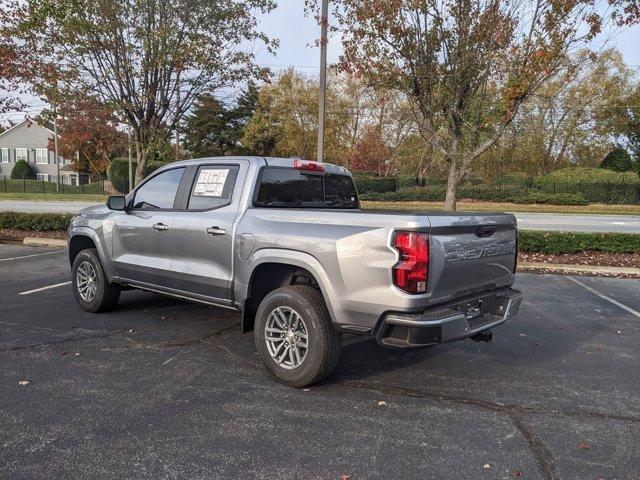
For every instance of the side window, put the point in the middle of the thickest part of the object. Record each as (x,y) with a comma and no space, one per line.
(160,191)
(213,187)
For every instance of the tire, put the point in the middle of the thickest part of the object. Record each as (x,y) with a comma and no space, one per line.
(324,343)
(106,295)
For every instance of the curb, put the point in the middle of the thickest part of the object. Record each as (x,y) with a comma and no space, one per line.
(45,242)
(565,268)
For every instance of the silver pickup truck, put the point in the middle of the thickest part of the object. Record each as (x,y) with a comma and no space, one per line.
(284,242)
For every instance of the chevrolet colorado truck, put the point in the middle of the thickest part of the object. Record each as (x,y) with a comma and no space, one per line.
(284,242)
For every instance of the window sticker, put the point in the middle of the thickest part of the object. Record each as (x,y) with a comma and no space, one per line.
(210,182)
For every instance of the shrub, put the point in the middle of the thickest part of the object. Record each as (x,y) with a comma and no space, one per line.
(376,184)
(514,178)
(41,222)
(565,242)
(595,184)
(617,160)
(552,198)
(23,169)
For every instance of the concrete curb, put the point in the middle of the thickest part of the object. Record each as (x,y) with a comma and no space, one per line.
(565,268)
(45,242)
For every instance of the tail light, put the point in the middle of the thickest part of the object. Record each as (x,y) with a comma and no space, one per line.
(308,166)
(411,272)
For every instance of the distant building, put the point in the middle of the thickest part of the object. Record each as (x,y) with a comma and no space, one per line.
(30,141)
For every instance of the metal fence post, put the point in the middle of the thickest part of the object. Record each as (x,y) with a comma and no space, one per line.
(5,183)
(24,184)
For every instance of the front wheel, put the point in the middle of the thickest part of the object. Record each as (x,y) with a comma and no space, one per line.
(294,335)
(91,287)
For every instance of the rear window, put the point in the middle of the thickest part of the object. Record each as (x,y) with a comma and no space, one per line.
(286,187)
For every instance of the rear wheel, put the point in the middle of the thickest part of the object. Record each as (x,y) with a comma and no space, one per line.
(294,335)
(91,288)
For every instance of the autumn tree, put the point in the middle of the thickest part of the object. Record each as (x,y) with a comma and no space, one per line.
(466,66)
(150,59)
(89,134)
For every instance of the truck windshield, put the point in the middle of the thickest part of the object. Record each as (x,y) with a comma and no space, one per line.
(286,187)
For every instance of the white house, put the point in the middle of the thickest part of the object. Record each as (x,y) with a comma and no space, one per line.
(30,141)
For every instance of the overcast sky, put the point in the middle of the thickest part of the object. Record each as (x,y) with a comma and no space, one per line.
(298,33)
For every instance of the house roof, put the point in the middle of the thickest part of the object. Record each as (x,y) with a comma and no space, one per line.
(26,120)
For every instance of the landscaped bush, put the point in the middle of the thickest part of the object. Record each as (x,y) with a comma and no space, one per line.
(41,222)
(595,184)
(617,160)
(22,170)
(376,184)
(551,198)
(564,242)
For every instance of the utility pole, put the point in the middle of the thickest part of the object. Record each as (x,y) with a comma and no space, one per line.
(55,146)
(324,24)
(177,120)
(130,162)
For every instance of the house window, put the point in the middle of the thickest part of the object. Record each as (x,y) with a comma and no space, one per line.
(42,156)
(21,154)
(43,177)
(4,155)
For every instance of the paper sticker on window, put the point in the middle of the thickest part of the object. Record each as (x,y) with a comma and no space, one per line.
(210,182)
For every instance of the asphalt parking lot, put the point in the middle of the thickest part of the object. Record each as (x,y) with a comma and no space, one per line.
(162,388)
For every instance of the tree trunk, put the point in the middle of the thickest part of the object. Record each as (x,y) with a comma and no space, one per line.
(452,187)
(141,159)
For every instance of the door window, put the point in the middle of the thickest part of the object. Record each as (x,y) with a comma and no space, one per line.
(160,191)
(212,187)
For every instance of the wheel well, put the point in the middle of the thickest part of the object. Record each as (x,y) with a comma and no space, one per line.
(266,278)
(77,244)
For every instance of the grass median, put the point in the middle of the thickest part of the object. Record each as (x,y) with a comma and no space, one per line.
(591,209)
(53,197)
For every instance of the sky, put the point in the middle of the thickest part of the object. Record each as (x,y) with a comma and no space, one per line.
(298,33)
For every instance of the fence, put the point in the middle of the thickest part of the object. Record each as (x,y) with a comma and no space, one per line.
(75,183)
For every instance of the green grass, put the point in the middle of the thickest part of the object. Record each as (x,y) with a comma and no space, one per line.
(53,197)
(593,208)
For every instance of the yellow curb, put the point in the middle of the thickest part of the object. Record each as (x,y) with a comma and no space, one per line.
(566,268)
(45,242)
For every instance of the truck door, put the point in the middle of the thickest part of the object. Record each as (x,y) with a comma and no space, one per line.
(203,230)
(142,235)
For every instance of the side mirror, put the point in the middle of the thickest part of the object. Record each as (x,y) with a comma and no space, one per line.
(117,202)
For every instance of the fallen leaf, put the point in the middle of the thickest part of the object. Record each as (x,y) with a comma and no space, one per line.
(130,331)
(517,474)
(345,477)
(538,344)
(486,466)
(382,403)
(22,383)
(306,389)
(77,354)
(619,332)
(583,445)
(63,353)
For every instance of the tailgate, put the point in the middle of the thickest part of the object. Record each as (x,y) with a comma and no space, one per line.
(470,253)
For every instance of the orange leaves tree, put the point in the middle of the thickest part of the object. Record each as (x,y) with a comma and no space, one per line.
(465,66)
(149,59)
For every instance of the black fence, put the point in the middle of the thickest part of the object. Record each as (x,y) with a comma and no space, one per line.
(75,183)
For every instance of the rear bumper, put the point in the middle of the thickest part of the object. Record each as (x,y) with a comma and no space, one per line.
(456,321)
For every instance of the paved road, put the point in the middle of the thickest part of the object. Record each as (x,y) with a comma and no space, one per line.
(529,221)
(162,388)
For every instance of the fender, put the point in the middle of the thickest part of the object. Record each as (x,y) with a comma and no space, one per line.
(81,231)
(290,257)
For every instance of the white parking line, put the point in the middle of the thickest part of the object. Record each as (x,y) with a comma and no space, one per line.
(35,290)
(29,256)
(605,297)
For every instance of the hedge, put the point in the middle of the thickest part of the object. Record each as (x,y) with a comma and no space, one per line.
(118,172)
(595,184)
(564,242)
(41,222)
(376,184)
(513,194)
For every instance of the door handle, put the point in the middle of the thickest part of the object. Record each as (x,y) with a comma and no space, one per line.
(216,231)
(160,227)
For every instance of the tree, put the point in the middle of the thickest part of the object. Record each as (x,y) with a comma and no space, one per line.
(466,66)
(617,160)
(89,134)
(215,128)
(149,59)
(571,120)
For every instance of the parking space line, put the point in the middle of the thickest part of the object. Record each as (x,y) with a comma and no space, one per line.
(29,256)
(35,290)
(605,297)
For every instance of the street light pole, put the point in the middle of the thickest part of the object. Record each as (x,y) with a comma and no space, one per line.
(130,162)
(55,146)
(324,24)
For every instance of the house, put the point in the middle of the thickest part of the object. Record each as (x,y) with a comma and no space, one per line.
(30,141)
